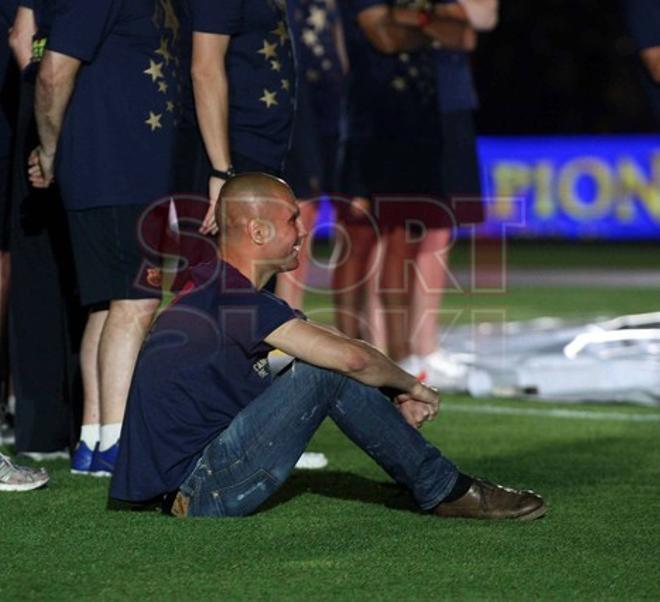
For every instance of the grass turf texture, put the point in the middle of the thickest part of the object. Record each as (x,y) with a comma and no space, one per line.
(347,533)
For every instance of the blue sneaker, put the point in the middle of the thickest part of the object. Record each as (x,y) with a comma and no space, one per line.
(103,462)
(81,460)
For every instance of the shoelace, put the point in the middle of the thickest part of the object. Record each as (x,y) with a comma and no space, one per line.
(9,467)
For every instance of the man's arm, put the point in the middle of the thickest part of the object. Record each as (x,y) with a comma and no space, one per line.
(21,34)
(447,26)
(482,14)
(388,35)
(211,89)
(322,347)
(55,83)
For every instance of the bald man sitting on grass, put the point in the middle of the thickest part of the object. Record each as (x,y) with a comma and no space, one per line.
(208,432)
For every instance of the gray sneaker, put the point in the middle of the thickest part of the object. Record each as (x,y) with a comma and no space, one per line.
(20,478)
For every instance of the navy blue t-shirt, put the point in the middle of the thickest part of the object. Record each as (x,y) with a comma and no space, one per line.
(117,139)
(260,71)
(643,17)
(389,95)
(313,29)
(203,362)
(7,13)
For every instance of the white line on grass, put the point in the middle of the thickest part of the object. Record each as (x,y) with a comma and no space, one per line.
(550,413)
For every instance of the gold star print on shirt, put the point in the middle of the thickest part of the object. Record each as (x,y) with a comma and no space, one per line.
(163,69)
(413,79)
(164,50)
(155,70)
(281,32)
(154,121)
(275,50)
(268,50)
(316,21)
(269,98)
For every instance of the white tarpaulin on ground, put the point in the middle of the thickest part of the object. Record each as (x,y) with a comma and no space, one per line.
(552,359)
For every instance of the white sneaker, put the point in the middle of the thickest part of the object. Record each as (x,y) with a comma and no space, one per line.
(412,364)
(20,478)
(46,456)
(443,371)
(312,461)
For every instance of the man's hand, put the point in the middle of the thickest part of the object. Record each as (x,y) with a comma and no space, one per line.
(40,168)
(210,225)
(415,413)
(420,405)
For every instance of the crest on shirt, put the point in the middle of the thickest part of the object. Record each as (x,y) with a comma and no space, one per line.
(262,368)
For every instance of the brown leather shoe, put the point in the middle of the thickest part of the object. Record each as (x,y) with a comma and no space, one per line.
(487,500)
(180,505)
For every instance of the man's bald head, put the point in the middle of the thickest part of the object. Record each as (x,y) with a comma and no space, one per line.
(248,196)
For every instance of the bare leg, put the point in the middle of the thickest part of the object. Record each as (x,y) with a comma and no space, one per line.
(377,335)
(89,352)
(396,283)
(350,279)
(123,332)
(291,285)
(432,263)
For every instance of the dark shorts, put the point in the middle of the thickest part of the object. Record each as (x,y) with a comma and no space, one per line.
(433,183)
(401,178)
(116,255)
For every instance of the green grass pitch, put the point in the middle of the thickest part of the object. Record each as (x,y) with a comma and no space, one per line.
(347,533)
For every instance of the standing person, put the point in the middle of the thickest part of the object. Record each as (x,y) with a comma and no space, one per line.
(43,308)
(460,180)
(391,145)
(8,94)
(321,65)
(242,76)
(106,104)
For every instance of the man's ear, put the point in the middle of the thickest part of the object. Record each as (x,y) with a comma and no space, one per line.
(261,231)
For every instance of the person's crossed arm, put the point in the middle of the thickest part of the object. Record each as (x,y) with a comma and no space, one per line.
(393,29)
(327,348)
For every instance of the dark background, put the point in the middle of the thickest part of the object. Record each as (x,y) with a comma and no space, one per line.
(560,67)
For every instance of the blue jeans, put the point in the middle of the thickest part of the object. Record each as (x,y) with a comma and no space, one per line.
(240,469)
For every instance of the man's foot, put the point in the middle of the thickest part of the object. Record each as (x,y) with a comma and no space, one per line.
(103,462)
(486,500)
(81,460)
(20,478)
(180,506)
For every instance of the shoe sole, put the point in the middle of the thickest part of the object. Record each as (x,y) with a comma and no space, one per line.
(100,473)
(24,487)
(80,472)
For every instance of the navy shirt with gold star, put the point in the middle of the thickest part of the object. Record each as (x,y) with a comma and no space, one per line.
(259,67)
(391,95)
(117,138)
